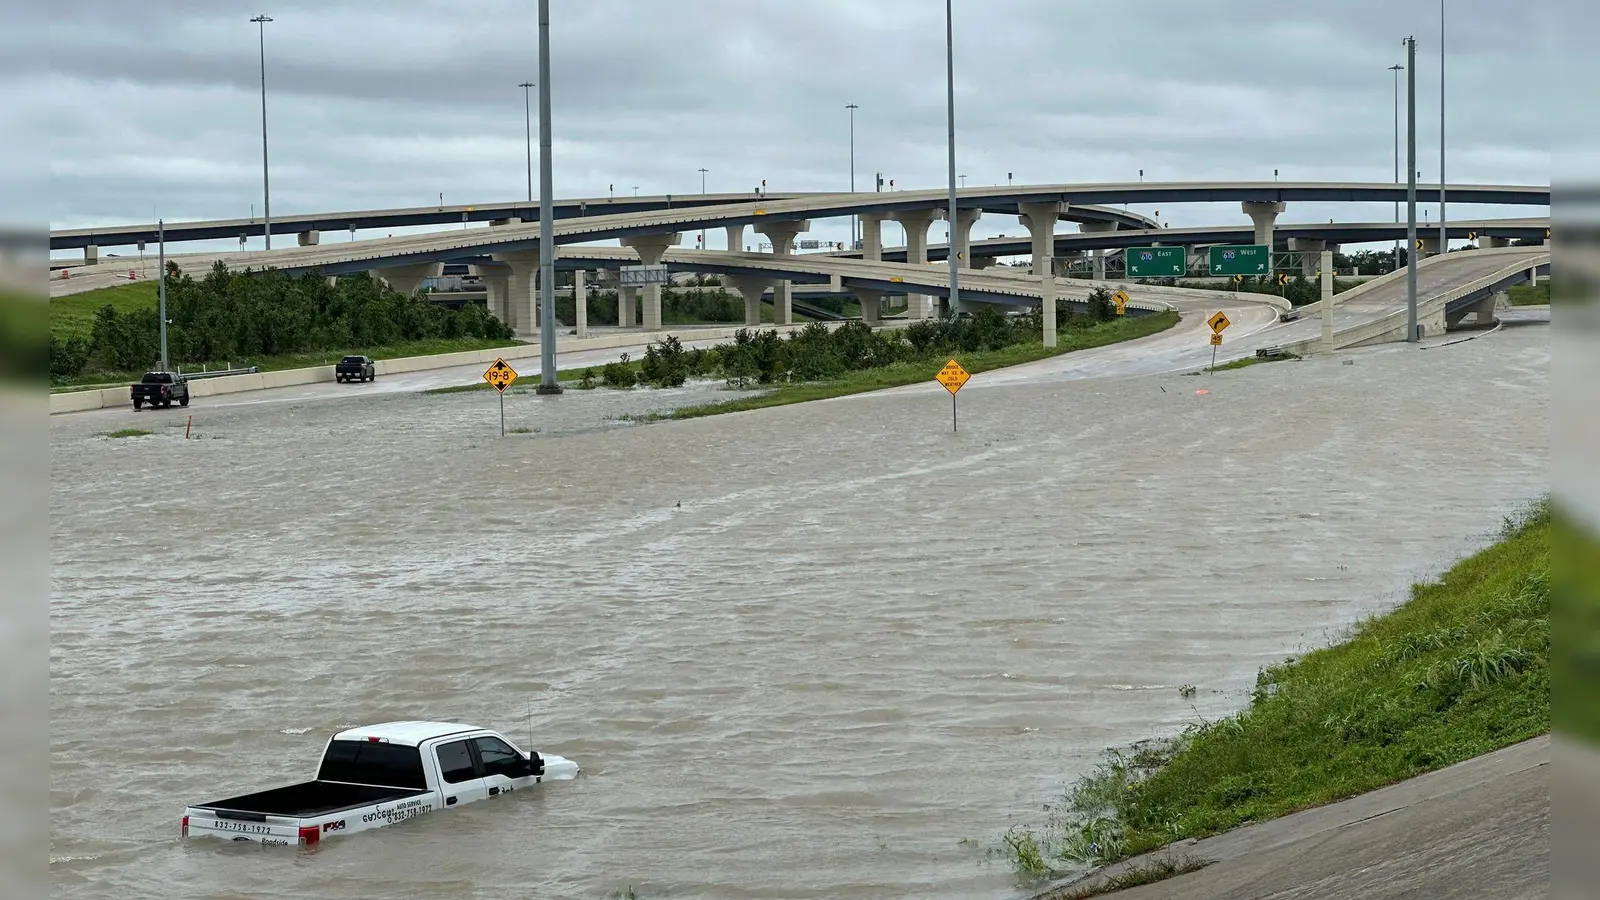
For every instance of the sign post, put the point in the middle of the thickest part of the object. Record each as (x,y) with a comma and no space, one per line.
(953,377)
(1219,323)
(500,374)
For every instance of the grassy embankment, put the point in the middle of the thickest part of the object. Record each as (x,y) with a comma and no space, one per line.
(1528,295)
(909,372)
(73,316)
(1460,669)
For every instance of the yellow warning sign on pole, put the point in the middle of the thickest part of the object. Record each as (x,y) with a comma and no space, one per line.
(1219,322)
(500,374)
(1120,298)
(953,376)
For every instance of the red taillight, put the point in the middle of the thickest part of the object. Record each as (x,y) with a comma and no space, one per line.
(185,826)
(372,740)
(310,835)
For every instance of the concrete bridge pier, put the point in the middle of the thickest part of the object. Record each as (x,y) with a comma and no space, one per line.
(916,223)
(651,247)
(871,305)
(627,298)
(1264,215)
(1040,220)
(961,234)
(91,254)
(1490,242)
(872,237)
(495,280)
(781,233)
(751,288)
(1099,252)
(1430,246)
(735,238)
(1310,253)
(309,238)
(982,262)
(521,291)
(580,304)
(408,279)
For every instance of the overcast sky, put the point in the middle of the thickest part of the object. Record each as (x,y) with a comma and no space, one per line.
(154,110)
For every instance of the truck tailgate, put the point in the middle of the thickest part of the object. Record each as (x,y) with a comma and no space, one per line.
(274,831)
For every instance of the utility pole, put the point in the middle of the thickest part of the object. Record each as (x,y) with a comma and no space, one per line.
(527,118)
(266,183)
(161,289)
(1411,190)
(950,115)
(1396,69)
(1444,234)
(855,221)
(548,383)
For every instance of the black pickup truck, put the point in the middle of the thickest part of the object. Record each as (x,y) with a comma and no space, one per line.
(355,368)
(160,389)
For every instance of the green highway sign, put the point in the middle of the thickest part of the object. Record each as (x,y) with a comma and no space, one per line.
(1245,259)
(1157,262)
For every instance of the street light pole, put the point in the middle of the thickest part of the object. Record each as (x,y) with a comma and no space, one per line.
(950,115)
(855,221)
(1396,69)
(161,289)
(548,383)
(1444,234)
(1411,190)
(266,184)
(527,118)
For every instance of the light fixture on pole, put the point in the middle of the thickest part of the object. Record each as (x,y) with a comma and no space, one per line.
(527,118)
(855,221)
(1411,190)
(950,117)
(266,184)
(1397,69)
(548,382)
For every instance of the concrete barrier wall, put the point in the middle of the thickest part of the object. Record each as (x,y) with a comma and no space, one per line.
(80,401)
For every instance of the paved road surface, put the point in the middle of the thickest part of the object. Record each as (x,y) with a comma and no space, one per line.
(1479,829)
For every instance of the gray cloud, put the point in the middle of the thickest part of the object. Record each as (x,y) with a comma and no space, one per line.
(375,105)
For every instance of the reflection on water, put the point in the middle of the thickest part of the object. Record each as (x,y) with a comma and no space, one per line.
(802,652)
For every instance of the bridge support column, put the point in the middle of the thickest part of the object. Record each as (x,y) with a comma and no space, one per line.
(1047,302)
(1325,305)
(495,286)
(982,262)
(309,238)
(408,279)
(1040,220)
(871,305)
(580,304)
(1490,242)
(522,293)
(751,288)
(1309,251)
(916,222)
(872,237)
(735,238)
(627,300)
(1264,214)
(1099,252)
(918,306)
(91,255)
(651,247)
(782,233)
(961,235)
(1430,246)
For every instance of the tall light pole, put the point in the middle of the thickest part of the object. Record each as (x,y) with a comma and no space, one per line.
(1396,69)
(161,289)
(950,116)
(527,118)
(1444,234)
(855,221)
(548,383)
(1411,189)
(266,184)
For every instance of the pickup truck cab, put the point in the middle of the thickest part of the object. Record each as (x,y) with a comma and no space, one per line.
(376,776)
(160,389)
(355,368)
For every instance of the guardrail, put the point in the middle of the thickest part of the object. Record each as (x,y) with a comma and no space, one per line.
(219,373)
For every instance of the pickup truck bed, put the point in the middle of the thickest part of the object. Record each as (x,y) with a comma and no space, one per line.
(309,799)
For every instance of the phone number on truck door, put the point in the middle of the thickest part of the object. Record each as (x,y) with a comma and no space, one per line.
(246,827)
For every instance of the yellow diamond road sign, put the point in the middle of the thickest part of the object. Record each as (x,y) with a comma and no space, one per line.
(500,374)
(1120,298)
(1218,322)
(952,376)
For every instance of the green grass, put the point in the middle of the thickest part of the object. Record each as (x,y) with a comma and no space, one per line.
(298,360)
(1528,295)
(73,315)
(128,433)
(904,373)
(527,382)
(1249,361)
(1459,670)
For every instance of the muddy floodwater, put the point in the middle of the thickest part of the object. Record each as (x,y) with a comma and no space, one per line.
(824,651)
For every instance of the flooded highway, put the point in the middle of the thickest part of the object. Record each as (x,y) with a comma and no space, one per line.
(822,651)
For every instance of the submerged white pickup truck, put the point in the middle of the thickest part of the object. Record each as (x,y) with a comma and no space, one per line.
(376,776)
